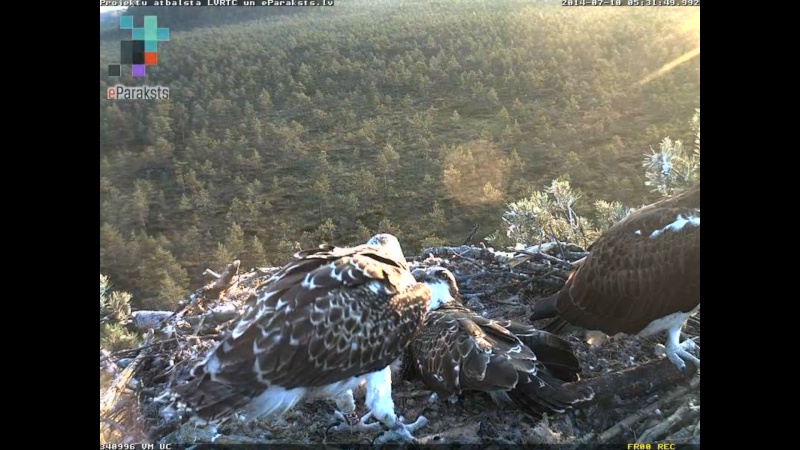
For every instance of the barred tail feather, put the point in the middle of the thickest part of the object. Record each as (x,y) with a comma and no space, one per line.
(554,353)
(543,393)
(559,326)
(211,399)
(545,308)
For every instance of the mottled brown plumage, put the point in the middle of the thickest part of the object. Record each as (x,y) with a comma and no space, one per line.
(316,328)
(644,268)
(459,350)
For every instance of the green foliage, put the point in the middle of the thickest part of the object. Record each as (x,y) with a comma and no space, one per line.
(338,122)
(546,214)
(115,310)
(674,167)
(609,213)
(550,213)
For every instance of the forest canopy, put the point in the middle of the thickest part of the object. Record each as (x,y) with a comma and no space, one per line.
(415,118)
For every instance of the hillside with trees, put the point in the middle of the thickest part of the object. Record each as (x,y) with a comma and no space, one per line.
(423,119)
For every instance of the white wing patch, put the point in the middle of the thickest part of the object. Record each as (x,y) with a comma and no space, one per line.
(376,287)
(308,283)
(678,224)
(336,276)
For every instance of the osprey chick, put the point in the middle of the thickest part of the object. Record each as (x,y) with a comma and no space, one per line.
(326,321)
(459,350)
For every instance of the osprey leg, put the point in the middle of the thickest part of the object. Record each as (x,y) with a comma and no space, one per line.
(346,413)
(678,351)
(381,407)
(346,405)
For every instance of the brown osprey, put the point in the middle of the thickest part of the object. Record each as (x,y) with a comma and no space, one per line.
(327,321)
(459,350)
(641,277)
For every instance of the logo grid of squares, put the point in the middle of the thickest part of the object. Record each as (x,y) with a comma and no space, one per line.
(142,49)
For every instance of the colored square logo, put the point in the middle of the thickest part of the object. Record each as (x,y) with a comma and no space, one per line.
(137,70)
(141,49)
(125,22)
(114,70)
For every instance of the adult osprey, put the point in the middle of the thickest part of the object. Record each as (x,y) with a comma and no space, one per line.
(327,321)
(641,277)
(459,350)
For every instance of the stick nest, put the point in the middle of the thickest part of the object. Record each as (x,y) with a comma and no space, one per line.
(640,397)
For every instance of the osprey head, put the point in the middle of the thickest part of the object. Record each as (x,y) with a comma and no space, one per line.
(442,283)
(389,244)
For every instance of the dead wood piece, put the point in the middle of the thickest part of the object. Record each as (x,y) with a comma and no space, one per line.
(682,415)
(235,439)
(535,257)
(115,391)
(411,394)
(637,381)
(468,240)
(486,254)
(144,320)
(215,316)
(465,434)
(631,420)
(681,436)
(224,281)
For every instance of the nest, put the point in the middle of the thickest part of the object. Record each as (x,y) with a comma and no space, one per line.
(640,397)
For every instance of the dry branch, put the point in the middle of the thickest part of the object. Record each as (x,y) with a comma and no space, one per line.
(120,384)
(144,320)
(224,281)
(465,434)
(628,422)
(468,240)
(637,381)
(211,291)
(683,415)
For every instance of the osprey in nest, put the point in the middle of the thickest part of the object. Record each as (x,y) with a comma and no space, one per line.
(327,321)
(641,277)
(459,350)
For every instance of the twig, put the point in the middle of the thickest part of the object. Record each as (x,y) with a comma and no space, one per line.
(681,436)
(547,257)
(560,247)
(632,419)
(166,341)
(119,385)
(683,415)
(471,234)
(212,273)
(225,280)
(471,261)
(213,289)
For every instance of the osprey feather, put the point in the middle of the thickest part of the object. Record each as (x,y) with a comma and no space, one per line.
(325,322)
(459,350)
(641,277)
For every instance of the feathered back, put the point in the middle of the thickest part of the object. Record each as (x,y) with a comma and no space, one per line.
(645,267)
(459,350)
(331,314)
